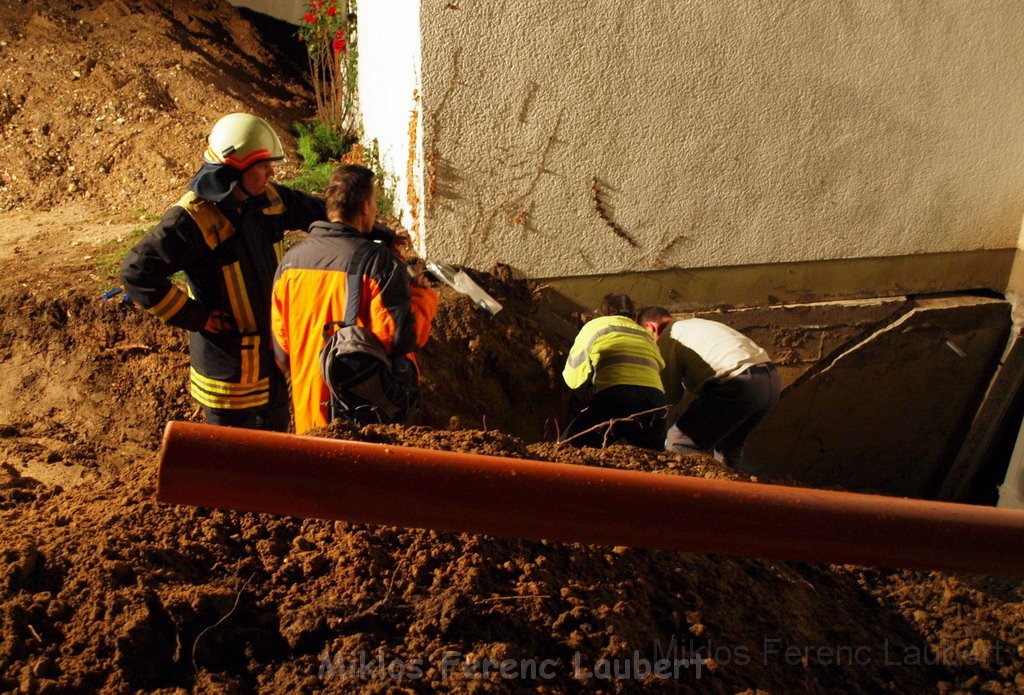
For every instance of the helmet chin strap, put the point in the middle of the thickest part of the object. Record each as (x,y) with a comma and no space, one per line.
(248,193)
(241,180)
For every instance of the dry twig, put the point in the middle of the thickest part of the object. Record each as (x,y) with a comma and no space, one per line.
(129,348)
(509,598)
(227,615)
(376,606)
(609,424)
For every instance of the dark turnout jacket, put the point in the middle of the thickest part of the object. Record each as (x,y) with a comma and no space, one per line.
(229,252)
(311,289)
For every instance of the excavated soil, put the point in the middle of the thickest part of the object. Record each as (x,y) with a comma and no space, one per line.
(110,102)
(102,589)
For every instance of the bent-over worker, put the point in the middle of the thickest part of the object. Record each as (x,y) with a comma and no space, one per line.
(622,361)
(734,380)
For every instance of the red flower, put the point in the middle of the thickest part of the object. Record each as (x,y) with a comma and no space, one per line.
(331,11)
(340,33)
(317,5)
(309,18)
(339,45)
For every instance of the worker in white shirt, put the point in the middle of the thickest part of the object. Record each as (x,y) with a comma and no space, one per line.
(734,381)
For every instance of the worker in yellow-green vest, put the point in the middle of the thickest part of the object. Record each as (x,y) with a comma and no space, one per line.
(623,363)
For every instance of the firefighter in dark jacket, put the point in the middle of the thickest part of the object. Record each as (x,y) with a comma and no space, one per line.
(226,234)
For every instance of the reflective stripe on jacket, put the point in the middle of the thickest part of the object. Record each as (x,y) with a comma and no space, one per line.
(618,351)
(228,252)
(310,290)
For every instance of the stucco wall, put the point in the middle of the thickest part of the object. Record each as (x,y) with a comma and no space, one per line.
(389,75)
(586,138)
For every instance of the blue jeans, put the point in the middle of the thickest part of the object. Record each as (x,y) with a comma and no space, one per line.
(725,414)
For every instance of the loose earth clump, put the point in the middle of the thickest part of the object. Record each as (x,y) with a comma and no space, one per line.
(105,589)
(103,107)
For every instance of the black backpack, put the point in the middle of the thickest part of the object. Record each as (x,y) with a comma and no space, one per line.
(366,385)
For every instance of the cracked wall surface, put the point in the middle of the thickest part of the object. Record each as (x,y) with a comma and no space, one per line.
(799,337)
(889,412)
(597,138)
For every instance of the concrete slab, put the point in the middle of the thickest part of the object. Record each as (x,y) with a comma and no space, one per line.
(799,337)
(691,289)
(890,413)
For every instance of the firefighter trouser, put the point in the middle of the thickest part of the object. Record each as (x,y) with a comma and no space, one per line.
(275,416)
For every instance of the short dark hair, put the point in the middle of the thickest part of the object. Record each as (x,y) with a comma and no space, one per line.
(615,304)
(654,314)
(348,188)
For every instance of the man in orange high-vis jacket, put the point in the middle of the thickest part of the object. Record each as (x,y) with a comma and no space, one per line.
(313,281)
(226,234)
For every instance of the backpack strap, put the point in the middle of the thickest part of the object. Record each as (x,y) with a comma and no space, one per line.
(354,285)
(326,334)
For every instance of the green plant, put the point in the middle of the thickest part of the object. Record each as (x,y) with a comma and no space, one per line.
(311,179)
(322,151)
(330,36)
(387,185)
(318,143)
(320,148)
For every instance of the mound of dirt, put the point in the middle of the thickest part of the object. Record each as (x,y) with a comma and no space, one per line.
(83,380)
(102,588)
(110,101)
(501,371)
(105,105)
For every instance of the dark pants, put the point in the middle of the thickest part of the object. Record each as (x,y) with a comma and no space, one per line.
(614,402)
(275,416)
(725,414)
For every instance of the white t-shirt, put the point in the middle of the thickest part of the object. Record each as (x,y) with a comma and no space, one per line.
(696,350)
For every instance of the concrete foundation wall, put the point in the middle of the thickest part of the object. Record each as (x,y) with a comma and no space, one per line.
(606,137)
(801,337)
(890,412)
(793,283)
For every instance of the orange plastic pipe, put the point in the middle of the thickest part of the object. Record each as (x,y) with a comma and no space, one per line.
(402,486)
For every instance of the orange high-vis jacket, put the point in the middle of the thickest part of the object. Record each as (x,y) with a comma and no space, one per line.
(310,291)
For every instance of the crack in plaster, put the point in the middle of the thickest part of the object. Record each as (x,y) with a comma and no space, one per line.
(430,148)
(531,93)
(518,208)
(660,260)
(598,194)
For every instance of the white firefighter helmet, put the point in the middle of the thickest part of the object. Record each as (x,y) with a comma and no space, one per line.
(241,140)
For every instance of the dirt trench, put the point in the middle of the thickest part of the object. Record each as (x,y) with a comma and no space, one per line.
(103,589)
(103,108)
